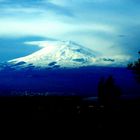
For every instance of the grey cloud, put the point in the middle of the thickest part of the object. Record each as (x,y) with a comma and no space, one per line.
(37,6)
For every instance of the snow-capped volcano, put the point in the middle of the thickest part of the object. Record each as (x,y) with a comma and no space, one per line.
(60,54)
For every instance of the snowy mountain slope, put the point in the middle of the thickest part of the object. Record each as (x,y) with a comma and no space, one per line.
(61,54)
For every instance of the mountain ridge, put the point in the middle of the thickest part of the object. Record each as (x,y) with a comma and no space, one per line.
(62,54)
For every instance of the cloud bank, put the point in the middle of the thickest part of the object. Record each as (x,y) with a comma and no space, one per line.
(108,26)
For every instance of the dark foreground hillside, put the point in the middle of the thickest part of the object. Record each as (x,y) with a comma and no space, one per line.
(64,82)
(71,111)
(68,98)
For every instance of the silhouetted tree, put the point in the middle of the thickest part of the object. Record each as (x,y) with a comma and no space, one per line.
(108,92)
(101,94)
(135,67)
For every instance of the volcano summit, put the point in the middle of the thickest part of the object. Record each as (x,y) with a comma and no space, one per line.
(61,54)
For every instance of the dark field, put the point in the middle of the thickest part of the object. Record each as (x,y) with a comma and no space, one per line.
(69,98)
(71,111)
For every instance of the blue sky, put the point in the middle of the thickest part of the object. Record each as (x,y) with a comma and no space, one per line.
(108,26)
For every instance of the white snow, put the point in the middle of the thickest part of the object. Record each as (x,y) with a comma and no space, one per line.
(62,54)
